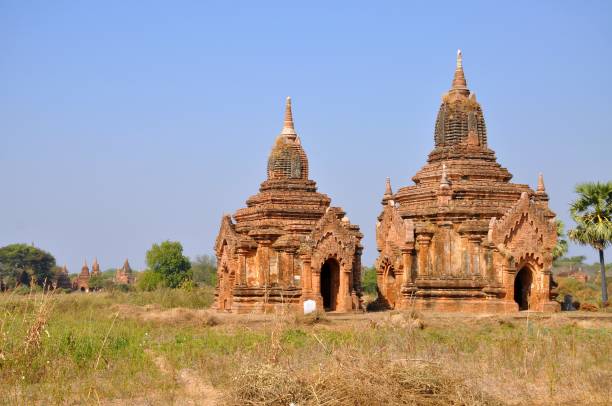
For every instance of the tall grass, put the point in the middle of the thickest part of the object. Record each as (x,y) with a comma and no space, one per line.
(484,363)
(90,348)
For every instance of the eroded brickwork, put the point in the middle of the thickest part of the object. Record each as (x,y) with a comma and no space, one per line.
(463,237)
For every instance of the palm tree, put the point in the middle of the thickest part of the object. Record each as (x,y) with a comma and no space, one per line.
(592,212)
(561,247)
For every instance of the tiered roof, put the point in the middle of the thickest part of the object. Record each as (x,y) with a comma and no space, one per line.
(461,166)
(288,201)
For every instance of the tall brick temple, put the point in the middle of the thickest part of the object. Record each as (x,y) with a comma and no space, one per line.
(288,245)
(463,237)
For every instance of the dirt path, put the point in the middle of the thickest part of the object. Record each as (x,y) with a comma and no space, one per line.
(192,388)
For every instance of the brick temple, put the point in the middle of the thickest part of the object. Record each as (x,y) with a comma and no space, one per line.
(125,275)
(62,280)
(288,246)
(463,237)
(82,281)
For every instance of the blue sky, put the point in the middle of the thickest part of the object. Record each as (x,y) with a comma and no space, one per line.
(124,123)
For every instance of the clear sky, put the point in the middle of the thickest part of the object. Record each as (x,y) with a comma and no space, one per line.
(124,123)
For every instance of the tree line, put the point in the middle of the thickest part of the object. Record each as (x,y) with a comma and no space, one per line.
(26,266)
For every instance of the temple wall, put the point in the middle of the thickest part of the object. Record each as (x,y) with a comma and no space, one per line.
(268,267)
(448,254)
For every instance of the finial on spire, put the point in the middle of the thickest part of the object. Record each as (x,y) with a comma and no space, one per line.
(288,128)
(459,82)
(541,187)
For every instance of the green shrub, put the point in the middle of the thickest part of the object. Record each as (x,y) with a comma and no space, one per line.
(167,260)
(204,270)
(122,287)
(368,281)
(149,281)
(188,285)
(26,290)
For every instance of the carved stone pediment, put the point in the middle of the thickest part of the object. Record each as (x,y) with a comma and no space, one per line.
(227,236)
(393,233)
(333,237)
(524,231)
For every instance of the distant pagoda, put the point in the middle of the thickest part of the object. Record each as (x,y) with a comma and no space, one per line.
(124,274)
(62,280)
(95,268)
(82,281)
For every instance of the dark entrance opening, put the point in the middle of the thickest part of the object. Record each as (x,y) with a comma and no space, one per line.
(522,288)
(330,284)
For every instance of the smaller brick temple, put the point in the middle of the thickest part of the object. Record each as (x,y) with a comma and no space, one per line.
(463,237)
(82,281)
(124,275)
(62,280)
(288,246)
(95,268)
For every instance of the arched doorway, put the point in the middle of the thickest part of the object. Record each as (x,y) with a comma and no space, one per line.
(390,286)
(522,288)
(330,284)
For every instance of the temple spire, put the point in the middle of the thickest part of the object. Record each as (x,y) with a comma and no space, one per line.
(459,82)
(388,190)
(85,268)
(95,266)
(541,197)
(541,187)
(388,196)
(288,128)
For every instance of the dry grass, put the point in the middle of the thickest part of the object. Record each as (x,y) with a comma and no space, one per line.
(21,337)
(98,348)
(394,359)
(346,378)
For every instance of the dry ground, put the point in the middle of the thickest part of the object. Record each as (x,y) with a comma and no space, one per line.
(122,349)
